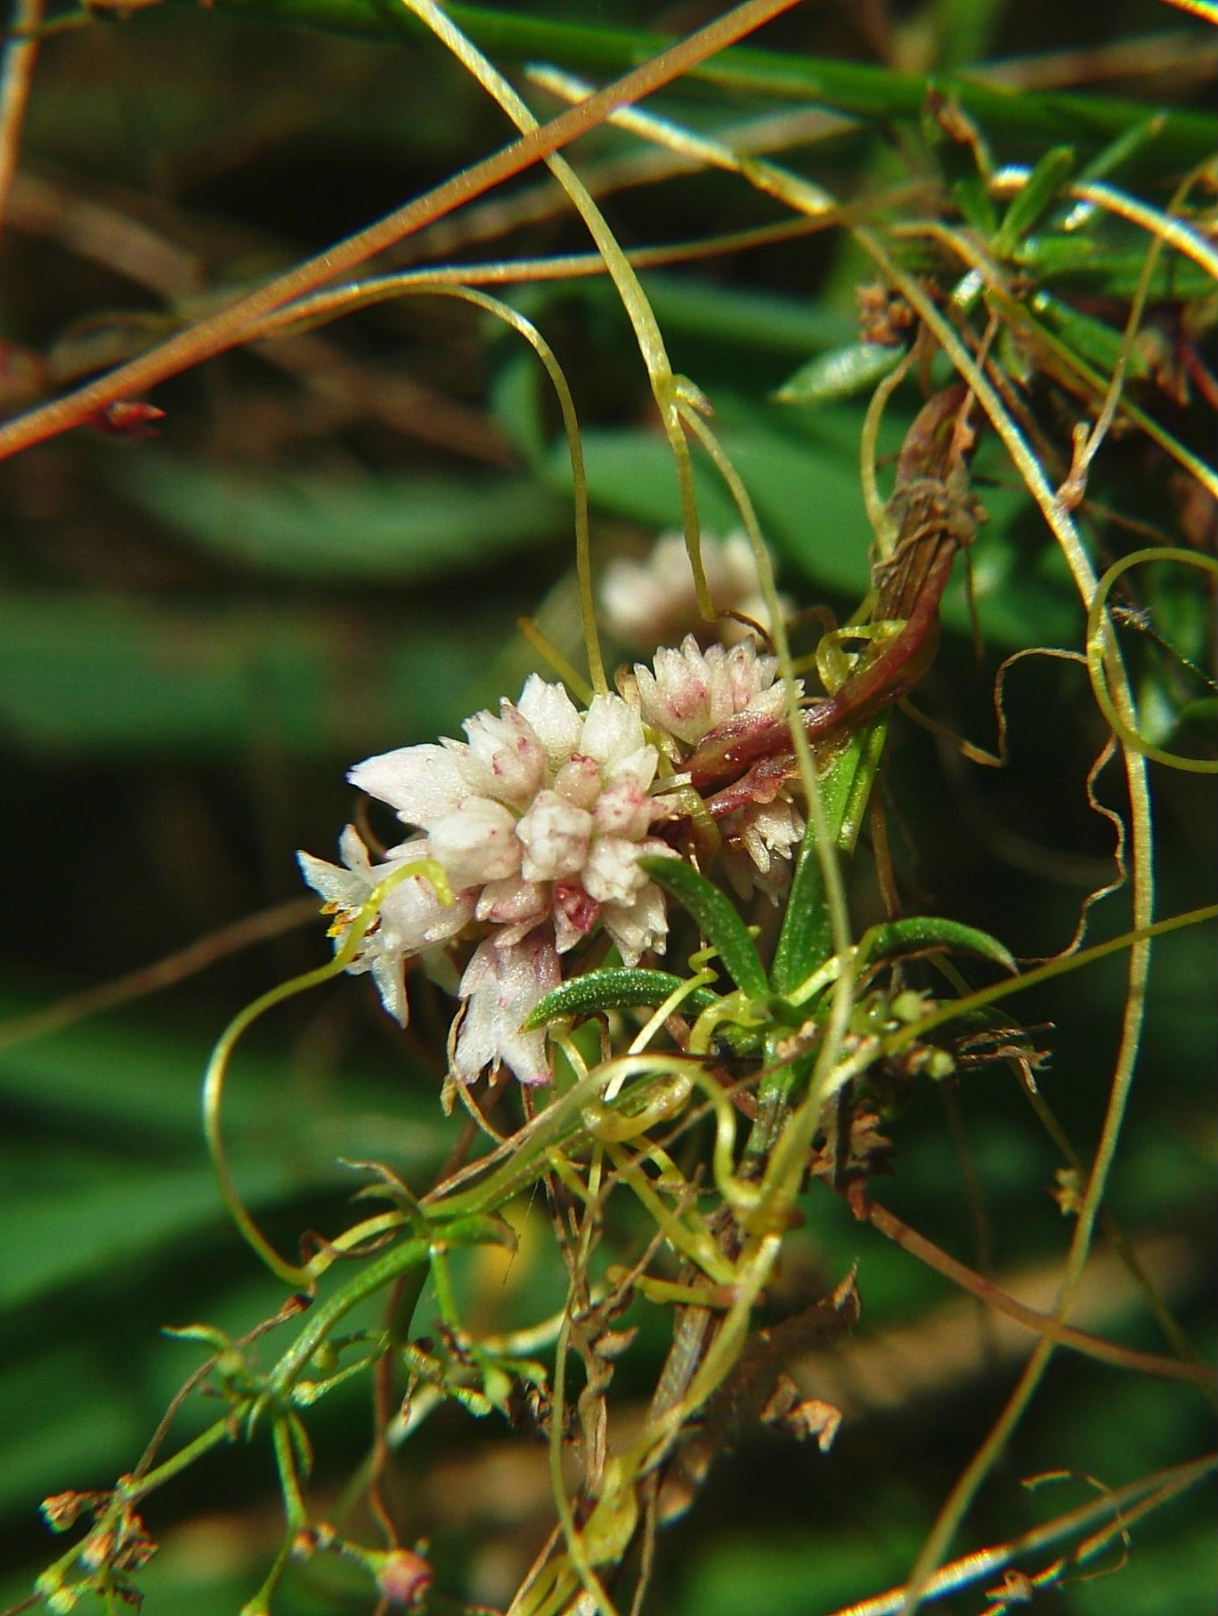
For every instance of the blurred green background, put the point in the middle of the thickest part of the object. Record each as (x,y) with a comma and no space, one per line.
(322,555)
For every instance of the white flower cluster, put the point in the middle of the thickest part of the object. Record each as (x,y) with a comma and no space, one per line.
(539,819)
(688,693)
(652,601)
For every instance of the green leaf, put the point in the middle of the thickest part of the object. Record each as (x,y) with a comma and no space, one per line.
(119,1215)
(860,88)
(802,472)
(325,527)
(960,149)
(841,373)
(130,1086)
(63,1422)
(922,932)
(615,989)
(806,939)
(1029,205)
(1093,340)
(742,316)
(1120,150)
(718,918)
(1082,263)
(631,474)
(79,673)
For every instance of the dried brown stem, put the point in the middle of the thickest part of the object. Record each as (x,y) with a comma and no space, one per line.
(164,974)
(1043,1325)
(16,76)
(229,326)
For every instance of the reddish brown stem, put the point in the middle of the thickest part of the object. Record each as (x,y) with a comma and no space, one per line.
(234,323)
(1041,1324)
(749,758)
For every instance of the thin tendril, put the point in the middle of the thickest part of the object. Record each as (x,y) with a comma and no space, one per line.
(1097,663)
(217,1067)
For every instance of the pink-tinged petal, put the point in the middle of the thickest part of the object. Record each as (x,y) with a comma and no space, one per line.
(674,697)
(579,780)
(421,783)
(352,851)
(772,702)
(639,766)
(477,843)
(575,914)
(508,903)
(514,907)
(625,809)
(770,829)
(349,887)
(413,917)
(502,986)
(552,716)
(555,836)
(509,749)
(691,691)
(652,602)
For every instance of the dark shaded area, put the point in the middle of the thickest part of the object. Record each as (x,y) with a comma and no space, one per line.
(323,554)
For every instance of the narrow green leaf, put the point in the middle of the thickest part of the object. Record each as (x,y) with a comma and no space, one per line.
(718,918)
(614,989)
(1118,152)
(796,463)
(1092,340)
(972,197)
(743,316)
(806,940)
(67,1234)
(839,374)
(960,148)
(367,527)
(630,473)
(1029,205)
(96,675)
(859,88)
(921,932)
(63,1422)
(1084,263)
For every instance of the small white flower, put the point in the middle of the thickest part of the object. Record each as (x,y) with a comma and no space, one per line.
(410,920)
(691,691)
(500,987)
(652,601)
(476,843)
(555,836)
(539,819)
(687,693)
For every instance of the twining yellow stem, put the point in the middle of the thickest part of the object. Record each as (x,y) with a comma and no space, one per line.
(301,1277)
(629,287)
(16,76)
(1177,233)
(1117,1508)
(664,384)
(826,849)
(1015,314)
(1097,665)
(329,305)
(1062,526)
